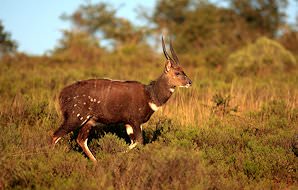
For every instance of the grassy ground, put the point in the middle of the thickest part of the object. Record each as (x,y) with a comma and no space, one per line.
(226,132)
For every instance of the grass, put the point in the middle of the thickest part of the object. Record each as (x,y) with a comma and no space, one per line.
(226,132)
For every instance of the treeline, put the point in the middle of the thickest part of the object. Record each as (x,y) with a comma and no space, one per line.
(203,32)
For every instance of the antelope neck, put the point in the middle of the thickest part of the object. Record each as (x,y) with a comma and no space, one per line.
(160,91)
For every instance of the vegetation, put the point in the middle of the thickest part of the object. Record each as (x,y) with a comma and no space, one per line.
(198,140)
(263,56)
(7,45)
(230,130)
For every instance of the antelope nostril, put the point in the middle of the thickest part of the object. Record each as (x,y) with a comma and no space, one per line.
(190,82)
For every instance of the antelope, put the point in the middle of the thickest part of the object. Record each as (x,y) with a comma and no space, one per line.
(89,102)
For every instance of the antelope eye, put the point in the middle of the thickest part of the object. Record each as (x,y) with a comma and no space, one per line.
(177,73)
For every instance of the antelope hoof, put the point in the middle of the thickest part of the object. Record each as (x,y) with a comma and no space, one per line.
(94,161)
(131,146)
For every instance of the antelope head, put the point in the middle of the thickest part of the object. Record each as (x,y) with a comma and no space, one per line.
(173,71)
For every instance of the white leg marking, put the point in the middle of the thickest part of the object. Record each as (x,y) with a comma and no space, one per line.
(85,144)
(57,140)
(129,129)
(131,146)
(88,152)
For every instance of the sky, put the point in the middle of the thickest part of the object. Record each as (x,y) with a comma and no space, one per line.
(37,27)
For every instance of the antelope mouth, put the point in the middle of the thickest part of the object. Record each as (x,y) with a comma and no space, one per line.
(185,86)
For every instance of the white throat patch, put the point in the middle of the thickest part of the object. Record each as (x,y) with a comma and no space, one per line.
(172,90)
(153,106)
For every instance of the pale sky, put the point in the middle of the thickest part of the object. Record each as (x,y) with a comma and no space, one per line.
(36,24)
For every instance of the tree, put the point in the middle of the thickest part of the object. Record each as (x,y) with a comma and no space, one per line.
(168,14)
(200,24)
(209,26)
(265,16)
(77,46)
(100,19)
(289,40)
(7,45)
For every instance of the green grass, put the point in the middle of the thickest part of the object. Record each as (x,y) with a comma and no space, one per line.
(191,143)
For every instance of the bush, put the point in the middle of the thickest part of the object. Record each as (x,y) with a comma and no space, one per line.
(78,47)
(262,57)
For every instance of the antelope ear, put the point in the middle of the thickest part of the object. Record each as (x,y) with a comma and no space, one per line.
(168,66)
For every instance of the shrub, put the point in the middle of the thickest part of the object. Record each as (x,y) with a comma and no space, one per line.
(262,57)
(78,47)
(222,105)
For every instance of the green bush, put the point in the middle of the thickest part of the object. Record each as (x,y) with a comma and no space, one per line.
(78,47)
(262,57)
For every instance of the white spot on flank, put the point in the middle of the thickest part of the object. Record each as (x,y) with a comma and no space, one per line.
(84,103)
(75,105)
(72,111)
(153,106)
(86,120)
(98,101)
(94,100)
(172,90)
(81,118)
(84,95)
(78,115)
(89,108)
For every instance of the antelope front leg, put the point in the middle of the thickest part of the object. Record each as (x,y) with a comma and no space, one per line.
(83,138)
(135,135)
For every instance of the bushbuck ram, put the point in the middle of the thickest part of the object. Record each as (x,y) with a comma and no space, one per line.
(85,103)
